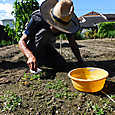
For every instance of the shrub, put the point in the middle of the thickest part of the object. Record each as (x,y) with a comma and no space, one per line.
(78,35)
(90,34)
(106,29)
(111,34)
(11,33)
(4,43)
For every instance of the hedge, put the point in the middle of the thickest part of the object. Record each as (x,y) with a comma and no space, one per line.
(106,29)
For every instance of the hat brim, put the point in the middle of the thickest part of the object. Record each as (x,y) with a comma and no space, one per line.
(46,8)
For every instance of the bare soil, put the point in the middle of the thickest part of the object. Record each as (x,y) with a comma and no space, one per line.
(53,93)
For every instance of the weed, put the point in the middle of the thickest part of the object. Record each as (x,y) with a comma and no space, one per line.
(25,80)
(100,111)
(95,108)
(12,101)
(58,84)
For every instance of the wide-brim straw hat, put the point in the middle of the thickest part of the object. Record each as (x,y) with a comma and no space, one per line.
(60,15)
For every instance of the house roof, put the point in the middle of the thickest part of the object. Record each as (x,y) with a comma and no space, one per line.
(92,13)
(89,22)
(7,20)
(109,15)
(90,19)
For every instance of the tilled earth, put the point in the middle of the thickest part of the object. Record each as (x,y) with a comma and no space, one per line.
(52,92)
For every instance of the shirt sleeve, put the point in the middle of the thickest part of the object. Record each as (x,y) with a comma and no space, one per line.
(32,26)
(29,28)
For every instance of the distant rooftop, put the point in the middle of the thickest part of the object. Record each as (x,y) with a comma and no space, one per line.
(92,18)
(92,13)
(7,20)
(91,21)
(109,16)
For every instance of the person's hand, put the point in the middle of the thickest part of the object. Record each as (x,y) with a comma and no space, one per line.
(32,63)
(86,64)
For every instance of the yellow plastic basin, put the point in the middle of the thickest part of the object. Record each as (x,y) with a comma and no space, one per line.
(88,79)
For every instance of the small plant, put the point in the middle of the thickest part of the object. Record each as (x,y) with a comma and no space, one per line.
(27,78)
(58,84)
(12,101)
(95,108)
(98,110)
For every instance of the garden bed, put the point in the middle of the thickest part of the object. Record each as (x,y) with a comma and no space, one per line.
(52,92)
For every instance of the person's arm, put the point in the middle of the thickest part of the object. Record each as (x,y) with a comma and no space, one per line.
(74,47)
(76,51)
(31,58)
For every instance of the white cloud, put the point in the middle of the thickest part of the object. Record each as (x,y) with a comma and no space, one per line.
(1,6)
(40,1)
(7,7)
(5,10)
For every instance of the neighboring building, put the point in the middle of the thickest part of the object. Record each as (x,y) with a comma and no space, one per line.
(91,19)
(89,14)
(110,17)
(7,21)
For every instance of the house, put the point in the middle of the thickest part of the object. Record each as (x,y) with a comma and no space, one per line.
(7,21)
(93,13)
(110,17)
(91,19)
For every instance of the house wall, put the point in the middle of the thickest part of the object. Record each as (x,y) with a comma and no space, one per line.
(10,22)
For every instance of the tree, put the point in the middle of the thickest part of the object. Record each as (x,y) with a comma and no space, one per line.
(22,13)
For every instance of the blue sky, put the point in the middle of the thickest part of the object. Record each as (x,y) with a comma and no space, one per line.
(81,7)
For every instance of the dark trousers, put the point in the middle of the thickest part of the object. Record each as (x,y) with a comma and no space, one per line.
(51,58)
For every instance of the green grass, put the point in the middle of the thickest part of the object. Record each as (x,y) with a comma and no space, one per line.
(11,101)
(60,88)
(4,43)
